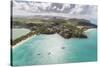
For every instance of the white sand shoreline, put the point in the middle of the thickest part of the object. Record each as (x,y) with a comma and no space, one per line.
(23,41)
(90,29)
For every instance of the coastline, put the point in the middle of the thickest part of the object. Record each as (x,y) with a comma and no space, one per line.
(23,41)
(88,30)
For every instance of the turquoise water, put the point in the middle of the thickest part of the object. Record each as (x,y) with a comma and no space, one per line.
(54,49)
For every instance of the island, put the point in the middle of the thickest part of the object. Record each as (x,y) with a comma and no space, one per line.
(70,28)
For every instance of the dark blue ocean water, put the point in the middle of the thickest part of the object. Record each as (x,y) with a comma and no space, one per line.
(54,49)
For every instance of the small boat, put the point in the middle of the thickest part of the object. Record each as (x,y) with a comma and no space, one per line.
(39,54)
(49,53)
(63,47)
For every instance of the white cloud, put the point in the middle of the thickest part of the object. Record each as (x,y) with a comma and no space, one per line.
(45,5)
(65,6)
(22,8)
(76,10)
(85,10)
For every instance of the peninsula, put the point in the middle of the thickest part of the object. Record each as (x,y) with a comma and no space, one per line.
(70,28)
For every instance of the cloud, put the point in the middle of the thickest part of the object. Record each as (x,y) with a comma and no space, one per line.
(76,10)
(30,7)
(84,10)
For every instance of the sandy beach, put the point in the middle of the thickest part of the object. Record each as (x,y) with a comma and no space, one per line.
(88,30)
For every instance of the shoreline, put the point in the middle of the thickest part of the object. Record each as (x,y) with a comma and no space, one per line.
(23,41)
(89,30)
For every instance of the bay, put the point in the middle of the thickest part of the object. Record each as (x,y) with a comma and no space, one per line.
(54,49)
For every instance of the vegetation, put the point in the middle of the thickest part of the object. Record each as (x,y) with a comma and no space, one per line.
(71,28)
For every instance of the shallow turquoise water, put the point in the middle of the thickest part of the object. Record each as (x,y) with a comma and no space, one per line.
(54,49)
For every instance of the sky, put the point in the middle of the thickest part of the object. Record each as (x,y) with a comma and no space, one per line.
(31,8)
